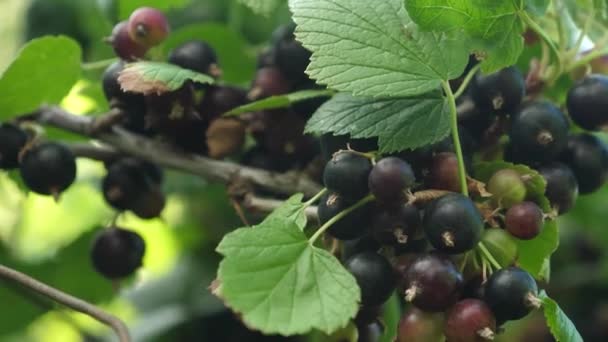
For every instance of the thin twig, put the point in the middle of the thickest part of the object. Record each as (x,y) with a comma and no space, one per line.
(72,302)
(255,203)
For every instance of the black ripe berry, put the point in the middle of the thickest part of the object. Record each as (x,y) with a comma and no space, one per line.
(587,156)
(396,226)
(444,172)
(416,325)
(511,293)
(292,58)
(331,144)
(432,283)
(470,320)
(117,252)
(524,220)
(351,226)
(501,91)
(268,81)
(12,141)
(347,173)
(587,102)
(111,87)
(124,46)
(562,187)
(507,188)
(539,132)
(196,55)
(453,224)
(48,168)
(390,178)
(371,332)
(221,99)
(374,275)
(148,26)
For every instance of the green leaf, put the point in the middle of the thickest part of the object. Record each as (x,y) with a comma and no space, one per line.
(155,77)
(374,49)
(264,7)
(280,101)
(538,7)
(292,209)
(127,6)
(235,60)
(493,27)
(560,325)
(533,255)
(399,123)
(43,73)
(281,284)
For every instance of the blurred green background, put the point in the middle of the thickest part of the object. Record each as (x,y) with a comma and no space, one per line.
(168,299)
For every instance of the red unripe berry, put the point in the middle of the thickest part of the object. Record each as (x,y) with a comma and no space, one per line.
(148,26)
(125,47)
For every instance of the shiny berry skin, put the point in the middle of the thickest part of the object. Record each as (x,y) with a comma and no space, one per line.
(292,58)
(351,226)
(587,102)
(221,99)
(444,172)
(268,81)
(507,188)
(331,144)
(127,181)
(196,55)
(501,91)
(539,132)
(12,141)
(124,46)
(48,168)
(453,224)
(396,226)
(511,293)
(432,283)
(117,252)
(148,26)
(374,275)
(469,320)
(416,325)
(390,178)
(524,220)
(587,156)
(347,173)
(562,187)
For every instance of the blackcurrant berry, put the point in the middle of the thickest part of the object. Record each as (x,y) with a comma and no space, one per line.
(268,81)
(111,87)
(416,325)
(587,101)
(368,314)
(587,156)
(117,252)
(444,172)
(501,91)
(396,226)
(331,144)
(474,288)
(124,46)
(452,223)
(148,26)
(48,168)
(292,59)
(511,293)
(432,283)
(374,275)
(470,320)
(347,173)
(507,188)
(539,132)
(351,226)
(196,55)
(150,205)
(524,220)
(128,181)
(12,141)
(365,243)
(390,178)
(221,99)
(562,187)
(371,332)
(475,120)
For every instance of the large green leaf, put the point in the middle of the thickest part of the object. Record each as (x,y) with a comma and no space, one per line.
(494,27)
(237,64)
(292,209)
(281,284)
(43,73)
(560,325)
(399,123)
(155,77)
(372,48)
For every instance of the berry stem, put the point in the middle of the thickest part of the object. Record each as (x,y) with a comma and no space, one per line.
(339,216)
(462,174)
(72,302)
(466,81)
(539,30)
(487,255)
(315,198)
